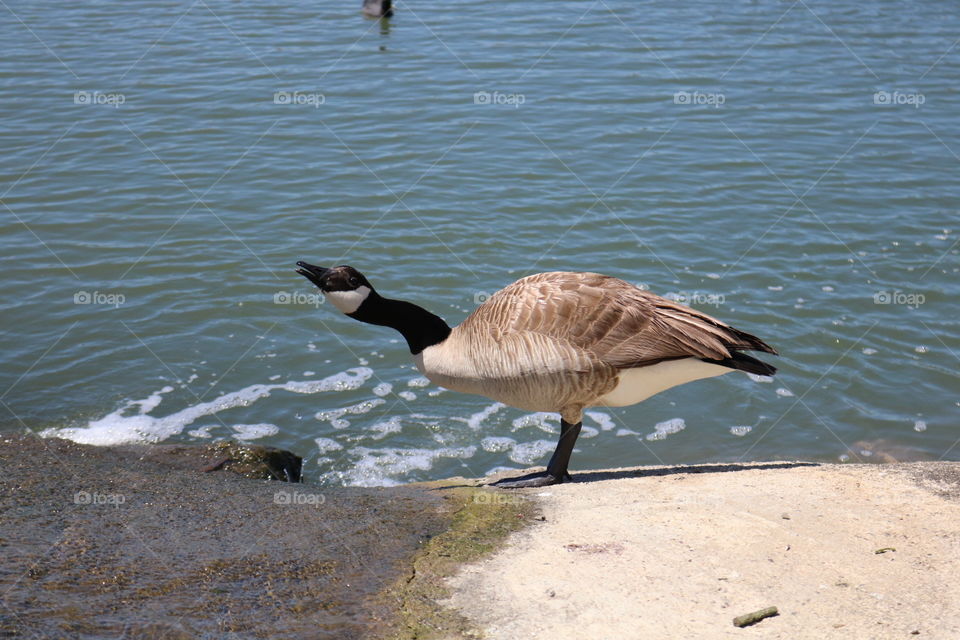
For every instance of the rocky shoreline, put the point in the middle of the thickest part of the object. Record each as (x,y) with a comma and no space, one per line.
(152,541)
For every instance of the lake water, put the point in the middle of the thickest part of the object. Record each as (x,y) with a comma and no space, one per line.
(788,167)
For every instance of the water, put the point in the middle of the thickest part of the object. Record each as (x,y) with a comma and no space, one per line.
(788,167)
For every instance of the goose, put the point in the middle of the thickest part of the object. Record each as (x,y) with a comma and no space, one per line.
(377,8)
(557,342)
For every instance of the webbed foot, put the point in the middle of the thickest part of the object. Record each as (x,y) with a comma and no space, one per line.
(541,479)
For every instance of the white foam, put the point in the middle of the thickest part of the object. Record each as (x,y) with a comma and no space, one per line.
(757,378)
(542,420)
(151,402)
(201,432)
(869,351)
(382,467)
(119,428)
(344,381)
(418,382)
(326,445)
(665,428)
(382,389)
(527,453)
(741,430)
(589,432)
(409,396)
(603,420)
(784,393)
(386,427)
(475,421)
(495,444)
(254,431)
(626,432)
(919,425)
(335,416)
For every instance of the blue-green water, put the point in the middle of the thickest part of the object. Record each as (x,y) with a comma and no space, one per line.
(788,167)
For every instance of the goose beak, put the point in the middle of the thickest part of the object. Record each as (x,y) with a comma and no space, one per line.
(312,273)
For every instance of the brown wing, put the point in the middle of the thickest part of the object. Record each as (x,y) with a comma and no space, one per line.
(620,324)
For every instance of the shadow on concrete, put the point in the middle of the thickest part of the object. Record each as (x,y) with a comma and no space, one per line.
(647,472)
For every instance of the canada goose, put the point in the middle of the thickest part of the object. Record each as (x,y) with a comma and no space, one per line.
(378,8)
(558,341)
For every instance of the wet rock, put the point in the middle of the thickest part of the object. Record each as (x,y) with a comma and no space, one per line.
(250,461)
(136,541)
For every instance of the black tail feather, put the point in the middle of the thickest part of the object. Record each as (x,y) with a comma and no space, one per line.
(753,342)
(743,362)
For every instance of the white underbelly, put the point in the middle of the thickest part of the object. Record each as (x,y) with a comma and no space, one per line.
(636,385)
(530,390)
(451,373)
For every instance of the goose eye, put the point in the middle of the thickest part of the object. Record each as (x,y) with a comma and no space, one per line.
(354,281)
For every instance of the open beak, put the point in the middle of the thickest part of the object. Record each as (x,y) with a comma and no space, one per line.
(312,273)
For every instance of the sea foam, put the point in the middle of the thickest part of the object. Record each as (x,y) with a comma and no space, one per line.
(120,428)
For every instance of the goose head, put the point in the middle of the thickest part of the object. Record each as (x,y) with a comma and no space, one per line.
(345,287)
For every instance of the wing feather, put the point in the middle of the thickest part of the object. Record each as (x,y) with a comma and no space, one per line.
(619,324)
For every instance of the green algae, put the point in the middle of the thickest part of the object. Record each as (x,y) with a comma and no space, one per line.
(480,522)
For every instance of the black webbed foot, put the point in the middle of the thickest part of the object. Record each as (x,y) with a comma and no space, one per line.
(540,479)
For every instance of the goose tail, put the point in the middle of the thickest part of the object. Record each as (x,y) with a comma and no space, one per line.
(743,362)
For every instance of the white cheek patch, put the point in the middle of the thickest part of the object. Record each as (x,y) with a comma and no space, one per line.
(348,301)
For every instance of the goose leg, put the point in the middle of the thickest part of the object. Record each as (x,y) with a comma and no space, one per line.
(557,467)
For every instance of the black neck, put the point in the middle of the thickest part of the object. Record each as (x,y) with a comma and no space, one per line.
(420,327)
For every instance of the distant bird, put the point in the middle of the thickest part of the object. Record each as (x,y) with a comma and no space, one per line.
(378,8)
(558,341)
